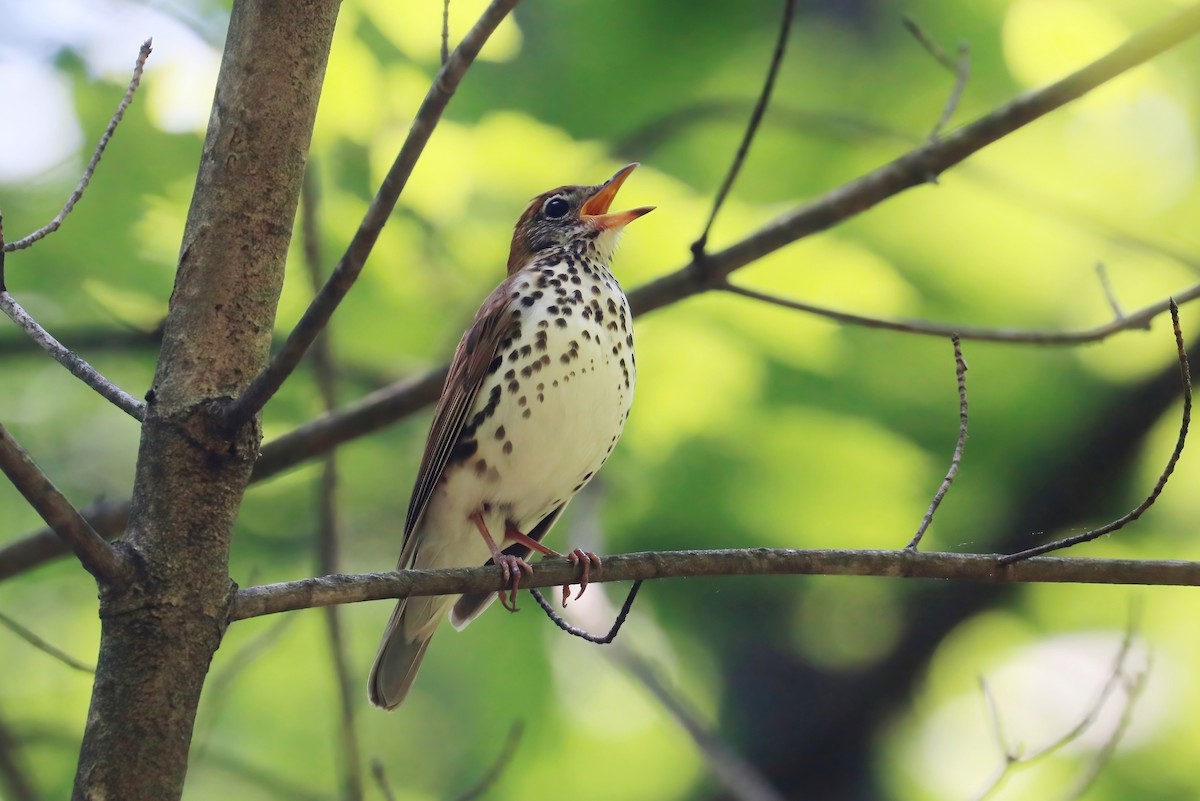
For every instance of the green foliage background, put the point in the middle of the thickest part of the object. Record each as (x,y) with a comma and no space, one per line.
(753,426)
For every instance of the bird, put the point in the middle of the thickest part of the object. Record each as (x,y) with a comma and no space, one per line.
(537,395)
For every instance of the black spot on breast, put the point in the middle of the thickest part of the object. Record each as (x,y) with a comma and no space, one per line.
(500,432)
(495,365)
(463,450)
(526,414)
(508,447)
(528,300)
(513,386)
(552,309)
(481,467)
(561,322)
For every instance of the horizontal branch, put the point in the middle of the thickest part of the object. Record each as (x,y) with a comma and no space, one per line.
(324,591)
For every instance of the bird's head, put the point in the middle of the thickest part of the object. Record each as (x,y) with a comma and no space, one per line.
(556,218)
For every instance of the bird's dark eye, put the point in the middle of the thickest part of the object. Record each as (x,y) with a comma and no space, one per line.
(556,207)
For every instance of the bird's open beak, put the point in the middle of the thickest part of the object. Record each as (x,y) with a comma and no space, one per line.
(595,208)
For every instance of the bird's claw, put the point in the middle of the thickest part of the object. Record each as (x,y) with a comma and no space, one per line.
(511,568)
(586,559)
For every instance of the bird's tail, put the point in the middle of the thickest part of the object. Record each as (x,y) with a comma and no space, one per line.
(400,652)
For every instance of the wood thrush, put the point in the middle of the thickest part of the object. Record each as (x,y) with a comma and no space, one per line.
(538,393)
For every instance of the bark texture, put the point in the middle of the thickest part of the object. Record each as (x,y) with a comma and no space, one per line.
(159,635)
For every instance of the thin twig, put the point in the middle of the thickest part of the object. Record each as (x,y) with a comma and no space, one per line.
(445,31)
(962,74)
(960,371)
(316,317)
(96,555)
(760,108)
(43,646)
(503,760)
(352,588)
(13,774)
(75,365)
(997,732)
(327,517)
(1159,486)
(1133,687)
(1013,336)
(1109,294)
(575,631)
(741,779)
(88,171)
(960,68)
(216,691)
(928,42)
(381,779)
(1013,758)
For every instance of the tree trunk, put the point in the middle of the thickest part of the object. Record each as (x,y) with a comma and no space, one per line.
(159,635)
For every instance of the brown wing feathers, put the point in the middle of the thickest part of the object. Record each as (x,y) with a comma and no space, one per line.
(470,364)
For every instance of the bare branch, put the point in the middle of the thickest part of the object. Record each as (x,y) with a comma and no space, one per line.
(75,365)
(43,646)
(108,518)
(960,68)
(503,760)
(1159,486)
(88,171)
(575,631)
(1109,294)
(1117,677)
(327,527)
(381,779)
(13,775)
(1133,690)
(96,555)
(1139,319)
(316,317)
(445,31)
(740,778)
(349,588)
(960,371)
(760,108)
(916,167)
